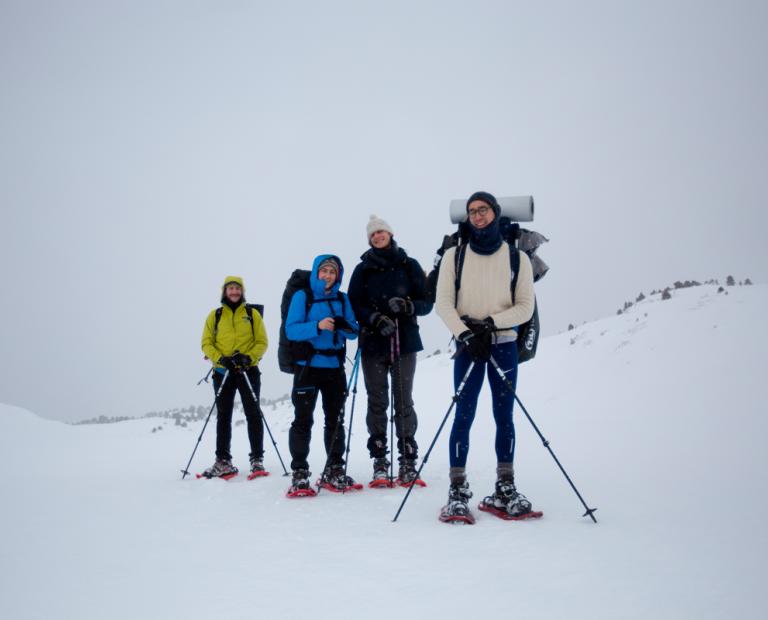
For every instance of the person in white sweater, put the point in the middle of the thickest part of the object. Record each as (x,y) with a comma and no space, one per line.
(480,312)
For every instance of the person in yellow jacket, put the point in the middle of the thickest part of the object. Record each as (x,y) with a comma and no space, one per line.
(234,339)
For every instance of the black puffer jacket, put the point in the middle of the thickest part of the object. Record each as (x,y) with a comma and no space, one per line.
(381,275)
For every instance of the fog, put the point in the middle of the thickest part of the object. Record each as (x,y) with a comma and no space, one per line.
(148,150)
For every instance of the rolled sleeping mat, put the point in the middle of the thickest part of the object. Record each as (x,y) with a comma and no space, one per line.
(516,208)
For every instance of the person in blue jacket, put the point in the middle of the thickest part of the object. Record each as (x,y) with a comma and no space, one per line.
(325,324)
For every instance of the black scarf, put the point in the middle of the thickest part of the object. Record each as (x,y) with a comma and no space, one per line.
(232,305)
(384,258)
(485,240)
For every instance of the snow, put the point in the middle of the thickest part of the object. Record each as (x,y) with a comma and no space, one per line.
(656,414)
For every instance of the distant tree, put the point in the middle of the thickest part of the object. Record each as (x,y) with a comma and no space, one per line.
(640,297)
(729,281)
(666,294)
(720,290)
(570,327)
(619,311)
(748,282)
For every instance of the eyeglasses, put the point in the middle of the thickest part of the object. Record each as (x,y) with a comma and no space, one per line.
(482,211)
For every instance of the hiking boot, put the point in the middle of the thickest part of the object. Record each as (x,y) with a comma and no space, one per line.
(407,472)
(222,467)
(381,468)
(335,477)
(507,498)
(257,465)
(457,508)
(300,480)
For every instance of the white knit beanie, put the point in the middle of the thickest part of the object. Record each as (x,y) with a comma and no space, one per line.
(376,224)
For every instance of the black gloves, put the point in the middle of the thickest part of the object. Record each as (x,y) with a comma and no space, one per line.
(242,360)
(383,324)
(228,362)
(235,362)
(398,305)
(478,338)
(340,323)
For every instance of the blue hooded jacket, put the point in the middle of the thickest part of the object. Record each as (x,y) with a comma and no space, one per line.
(303,325)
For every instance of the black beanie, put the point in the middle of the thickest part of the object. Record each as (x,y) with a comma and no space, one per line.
(488,199)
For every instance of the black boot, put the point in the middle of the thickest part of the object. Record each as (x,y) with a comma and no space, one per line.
(457,508)
(334,479)
(301,486)
(508,499)
(406,475)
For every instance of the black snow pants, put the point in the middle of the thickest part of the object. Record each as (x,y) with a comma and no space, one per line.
(226,402)
(331,384)
(377,368)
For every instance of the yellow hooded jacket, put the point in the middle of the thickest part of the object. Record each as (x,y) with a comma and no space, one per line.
(234,332)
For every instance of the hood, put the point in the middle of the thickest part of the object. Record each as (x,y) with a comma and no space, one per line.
(317,285)
(232,280)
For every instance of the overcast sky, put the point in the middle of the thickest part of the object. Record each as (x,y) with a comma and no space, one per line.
(148,149)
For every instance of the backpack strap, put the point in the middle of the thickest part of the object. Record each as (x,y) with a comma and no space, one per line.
(216,321)
(458,264)
(249,308)
(514,265)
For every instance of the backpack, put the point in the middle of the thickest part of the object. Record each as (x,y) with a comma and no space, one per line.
(249,308)
(518,238)
(289,352)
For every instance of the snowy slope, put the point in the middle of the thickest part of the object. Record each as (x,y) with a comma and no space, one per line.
(657,414)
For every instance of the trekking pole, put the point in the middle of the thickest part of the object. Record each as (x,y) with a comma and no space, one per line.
(339,420)
(205,378)
(392,411)
(398,369)
(185,471)
(454,400)
(264,419)
(355,373)
(589,511)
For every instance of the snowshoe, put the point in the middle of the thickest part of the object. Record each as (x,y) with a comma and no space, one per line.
(335,480)
(503,514)
(257,468)
(457,509)
(222,468)
(508,504)
(407,475)
(301,486)
(381,478)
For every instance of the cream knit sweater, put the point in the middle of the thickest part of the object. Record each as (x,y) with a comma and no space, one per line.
(485,291)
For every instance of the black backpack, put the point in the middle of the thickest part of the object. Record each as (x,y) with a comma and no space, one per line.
(289,352)
(518,238)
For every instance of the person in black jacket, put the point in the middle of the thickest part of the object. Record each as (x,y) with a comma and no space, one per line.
(388,292)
